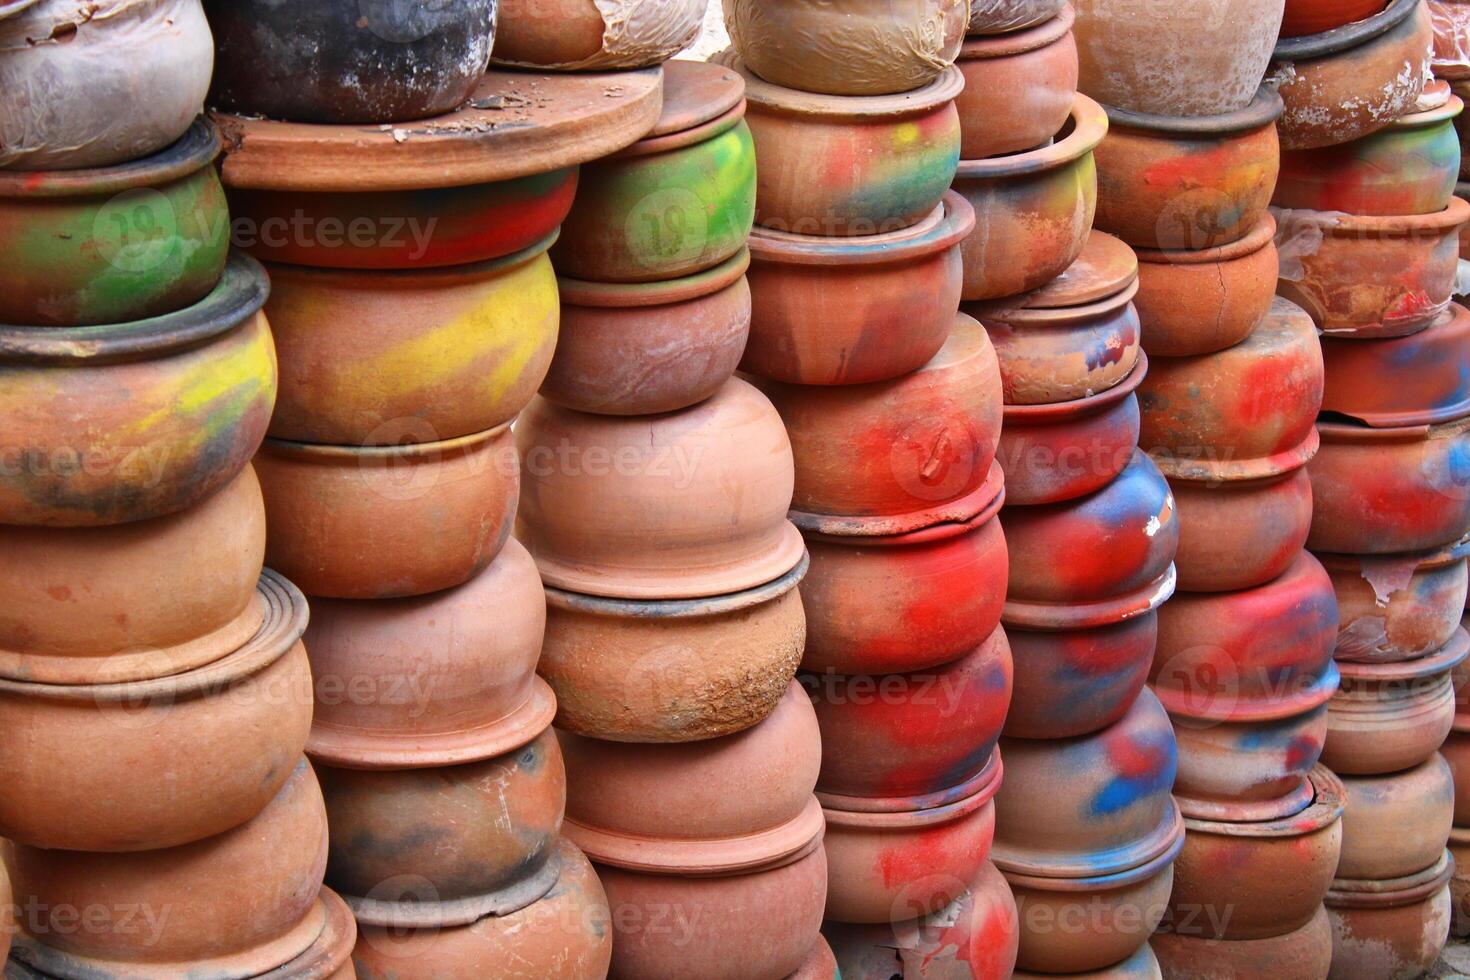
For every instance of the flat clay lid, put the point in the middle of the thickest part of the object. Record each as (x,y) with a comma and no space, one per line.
(1105,268)
(694,93)
(516,124)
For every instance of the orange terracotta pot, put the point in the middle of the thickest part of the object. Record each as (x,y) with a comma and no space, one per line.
(1396,825)
(820,964)
(1019,87)
(577,35)
(1397,607)
(1421,379)
(330,957)
(1243,533)
(1394,928)
(1316,16)
(1304,953)
(1142,965)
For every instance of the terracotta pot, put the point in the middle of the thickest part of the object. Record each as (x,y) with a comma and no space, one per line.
(573,35)
(380,522)
(1064,450)
(152,764)
(1040,203)
(381,358)
(688,504)
(1451,57)
(1242,533)
(132,601)
(852,48)
(897,456)
(1304,953)
(895,860)
(1397,824)
(911,735)
(678,201)
(1142,965)
(128,421)
(1391,717)
(1189,59)
(1187,183)
(1198,302)
(1005,16)
(238,904)
(1075,336)
(974,936)
(820,964)
(646,348)
(1392,929)
(1317,16)
(342,63)
(1384,491)
(1261,879)
(829,311)
(1019,87)
(825,164)
(564,935)
(1456,752)
(330,957)
(1421,379)
(1407,167)
(943,589)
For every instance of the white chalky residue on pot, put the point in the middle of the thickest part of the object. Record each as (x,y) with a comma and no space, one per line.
(637,33)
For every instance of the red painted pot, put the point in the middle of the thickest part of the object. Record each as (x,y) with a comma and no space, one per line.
(1241,533)
(1019,87)
(1396,824)
(1317,16)
(1195,182)
(855,309)
(1421,379)
(1142,965)
(1033,210)
(1392,928)
(1305,953)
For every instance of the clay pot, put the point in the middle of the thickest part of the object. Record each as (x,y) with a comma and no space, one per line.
(1033,210)
(1456,752)
(646,348)
(381,358)
(825,164)
(1397,607)
(1242,533)
(1391,717)
(1421,379)
(343,63)
(678,201)
(1019,87)
(1393,928)
(566,935)
(1384,491)
(1188,59)
(1407,167)
(1451,57)
(1065,450)
(1166,182)
(1142,965)
(379,522)
(128,421)
(1305,953)
(95,85)
(1075,336)
(828,311)
(152,764)
(578,35)
(943,589)
(911,735)
(974,936)
(330,957)
(1199,302)
(1396,824)
(1005,16)
(1318,16)
(895,860)
(1459,885)
(1258,880)
(132,601)
(897,456)
(7,917)
(820,964)
(238,904)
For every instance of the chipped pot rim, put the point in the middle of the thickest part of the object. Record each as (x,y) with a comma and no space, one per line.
(1313,46)
(949,224)
(1372,893)
(1253,811)
(1309,697)
(382,455)
(1437,558)
(977,47)
(1440,661)
(917,813)
(1240,470)
(762,95)
(1261,236)
(625,295)
(1338,224)
(1057,617)
(1053,413)
(659,609)
(388,280)
(1089,124)
(1348,431)
(937,523)
(1322,810)
(413,912)
(189,154)
(1097,870)
(1265,107)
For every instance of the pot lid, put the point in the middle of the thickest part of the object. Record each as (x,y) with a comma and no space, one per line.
(777,98)
(1243,812)
(192,152)
(911,812)
(694,93)
(1105,267)
(1370,893)
(1321,808)
(1440,661)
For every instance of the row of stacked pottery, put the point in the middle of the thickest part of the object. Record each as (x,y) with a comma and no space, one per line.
(157,810)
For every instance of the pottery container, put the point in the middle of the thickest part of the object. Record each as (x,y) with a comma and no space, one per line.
(592,35)
(1451,50)
(1019,87)
(1396,824)
(1390,928)
(1420,379)
(1006,16)
(1394,608)
(1305,952)
(1142,965)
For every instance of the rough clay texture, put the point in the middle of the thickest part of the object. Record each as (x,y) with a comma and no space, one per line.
(1001,16)
(637,33)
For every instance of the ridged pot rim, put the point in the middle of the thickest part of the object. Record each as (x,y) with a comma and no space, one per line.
(1437,558)
(1252,469)
(767,96)
(389,280)
(939,523)
(1265,107)
(1352,433)
(1441,661)
(332,949)
(1058,617)
(1258,238)
(1454,318)
(663,609)
(1313,46)
(1054,295)
(240,293)
(627,295)
(1433,115)
(1368,226)
(682,139)
(949,224)
(1307,699)
(361,455)
(1387,893)
(1054,413)
(187,155)
(1089,125)
(417,913)
(1040,316)
(1325,808)
(1129,865)
(980,47)
(1243,812)
(916,813)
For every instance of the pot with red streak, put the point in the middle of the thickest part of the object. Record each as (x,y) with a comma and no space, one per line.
(1316,16)
(1397,607)
(1420,379)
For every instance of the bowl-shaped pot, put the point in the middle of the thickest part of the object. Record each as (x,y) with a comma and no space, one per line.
(342,62)
(379,522)
(1198,302)
(1394,928)
(133,601)
(901,455)
(1318,16)
(577,35)
(678,201)
(911,735)
(1005,16)
(891,862)
(1075,336)
(1421,379)
(646,348)
(1396,824)
(565,934)
(1176,183)
(1019,87)
(238,904)
(152,764)
(93,86)
(1238,534)
(675,506)
(1142,965)
(127,421)
(1343,84)
(380,358)
(943,587)
(1385,491)
(1304,953)
(1396,607)
(114,244)
(1033,210)
(830,311)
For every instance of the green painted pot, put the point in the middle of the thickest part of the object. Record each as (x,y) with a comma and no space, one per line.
(115,244)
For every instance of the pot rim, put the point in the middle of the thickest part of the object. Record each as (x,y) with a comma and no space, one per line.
(684,138)
(1265,107)
(1058,617)
(240,293)
(1387,893)
(1349,432)
(1038,316)
(978,47)
(1359,226)
(951,520)
(1437,558)
(1243,812)
(916,813)
(189,154)
(416,913)
(1323,809)
(1059,412)
(1134,863)
(767,96)
(1258,238)
(944,228)
(1441,661)
(1044,298)
(682,73)
(1311,697)
(1089,126)
(1454,319)
(1240,470)
(659,609)
(388,280)
(1339,39)
(361,455)
(1434,115)
(624,295)
(332,949)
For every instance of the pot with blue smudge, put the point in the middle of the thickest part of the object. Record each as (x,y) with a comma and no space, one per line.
(1397,607)
(1391,928)
(1420,379)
